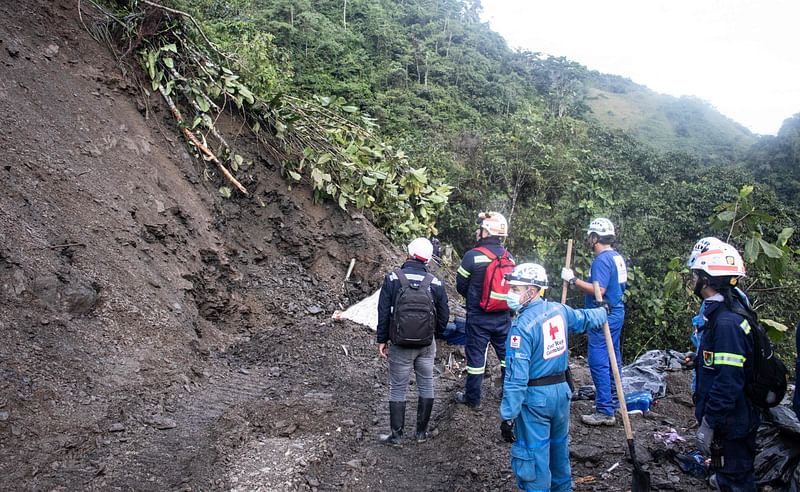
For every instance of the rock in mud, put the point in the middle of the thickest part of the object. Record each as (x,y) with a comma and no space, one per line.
(314,309)
(586,453)
(116,427)
(162,423)
(4,415)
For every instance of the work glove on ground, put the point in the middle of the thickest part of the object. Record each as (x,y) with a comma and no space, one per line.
(567,275)
(507,430)
(704,437)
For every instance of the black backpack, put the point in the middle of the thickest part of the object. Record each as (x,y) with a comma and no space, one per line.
(766,387)
(413,314)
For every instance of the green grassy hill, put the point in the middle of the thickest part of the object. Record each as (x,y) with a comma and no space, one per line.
(668,123)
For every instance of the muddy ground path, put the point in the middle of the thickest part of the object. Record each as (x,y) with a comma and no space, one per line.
(156,336)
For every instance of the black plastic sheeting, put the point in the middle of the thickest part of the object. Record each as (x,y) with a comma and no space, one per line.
(648,372)
(778,454)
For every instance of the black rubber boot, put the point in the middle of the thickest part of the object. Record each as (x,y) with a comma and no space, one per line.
(397,417)
(424,407)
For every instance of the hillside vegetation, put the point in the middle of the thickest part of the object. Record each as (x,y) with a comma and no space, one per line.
(668,123)
(466,124)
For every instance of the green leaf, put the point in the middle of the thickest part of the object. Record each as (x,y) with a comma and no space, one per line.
(151,64)
(169,62)
(369,181)
(196,122)
(745,191)
(294,175)
(342,202)
(349,109)
(247,95)
(202,103)
(225,192)
(784,236)
(775,330)
(751,249)
(324,158)
(170,47)
(770,249)
(726,216)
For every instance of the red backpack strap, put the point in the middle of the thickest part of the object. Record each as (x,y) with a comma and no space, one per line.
(487,252)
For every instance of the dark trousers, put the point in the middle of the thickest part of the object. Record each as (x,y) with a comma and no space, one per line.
(480,332)
(736,474)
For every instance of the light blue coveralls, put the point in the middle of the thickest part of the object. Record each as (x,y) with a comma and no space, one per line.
(610,271)
(536,347)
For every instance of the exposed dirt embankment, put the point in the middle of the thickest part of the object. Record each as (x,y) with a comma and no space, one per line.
(158,337)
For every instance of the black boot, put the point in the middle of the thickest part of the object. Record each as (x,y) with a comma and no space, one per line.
(424,407)
(397,417)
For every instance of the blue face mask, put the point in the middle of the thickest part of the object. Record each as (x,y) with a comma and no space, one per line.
(512,299)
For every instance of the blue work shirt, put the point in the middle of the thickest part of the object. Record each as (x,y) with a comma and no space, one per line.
(723,362)
(609,270)
(536,346)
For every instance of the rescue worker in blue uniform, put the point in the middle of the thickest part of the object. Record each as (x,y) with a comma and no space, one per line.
(611,272)
(403,359)
(535,406)
(699,321)
(482,327)
(728,420)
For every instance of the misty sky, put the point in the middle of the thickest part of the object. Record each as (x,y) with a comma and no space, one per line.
(739,55)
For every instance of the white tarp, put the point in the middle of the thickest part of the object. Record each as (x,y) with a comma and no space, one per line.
(364,312)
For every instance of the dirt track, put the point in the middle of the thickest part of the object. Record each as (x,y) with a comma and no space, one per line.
(158,337)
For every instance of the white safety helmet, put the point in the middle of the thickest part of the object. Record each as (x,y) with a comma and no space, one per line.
(421,249)
(602,227)
(718,259)
(528,274)
(701,246)
(494,223)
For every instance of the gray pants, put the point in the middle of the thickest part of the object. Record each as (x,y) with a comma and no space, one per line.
(401,359)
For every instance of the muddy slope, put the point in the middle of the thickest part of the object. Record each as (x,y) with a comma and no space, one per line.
(158,337)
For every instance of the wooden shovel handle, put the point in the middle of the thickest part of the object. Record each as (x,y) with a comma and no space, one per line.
(567,263)
(612,356)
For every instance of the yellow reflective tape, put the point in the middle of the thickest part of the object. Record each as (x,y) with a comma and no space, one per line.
(726,359)
(745,326)
(476,370)
(481,259)
(502,363)
(498,296)
(464,273)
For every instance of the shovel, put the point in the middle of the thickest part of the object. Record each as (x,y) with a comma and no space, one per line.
(641,478)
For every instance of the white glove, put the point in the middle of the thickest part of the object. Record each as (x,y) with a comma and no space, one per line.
(567,275)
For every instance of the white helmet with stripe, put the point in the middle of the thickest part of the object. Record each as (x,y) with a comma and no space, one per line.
(716,259)
(495,223)
(420,249)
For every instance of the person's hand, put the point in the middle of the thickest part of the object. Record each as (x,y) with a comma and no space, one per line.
(704,437)
(688,360)
(604,305)
(383,350)
(567,275)
(507,430)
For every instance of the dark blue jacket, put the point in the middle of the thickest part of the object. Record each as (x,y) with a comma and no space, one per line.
(415,271)
(469,280)
(724,361)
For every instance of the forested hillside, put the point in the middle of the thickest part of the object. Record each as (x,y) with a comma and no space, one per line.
(540,138)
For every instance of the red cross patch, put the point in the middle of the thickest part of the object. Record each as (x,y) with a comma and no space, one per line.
(514,341)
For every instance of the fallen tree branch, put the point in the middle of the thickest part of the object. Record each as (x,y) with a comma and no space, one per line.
(199,145)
